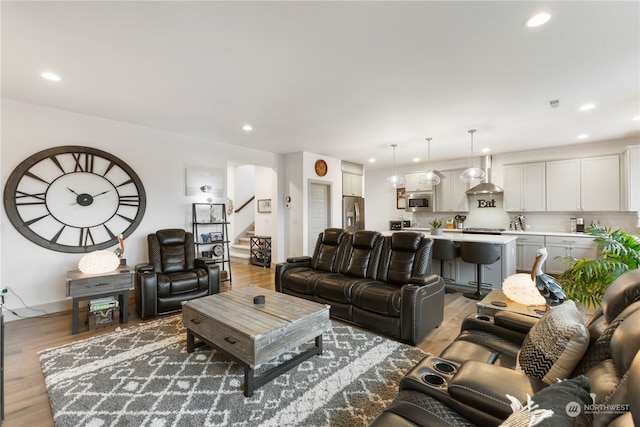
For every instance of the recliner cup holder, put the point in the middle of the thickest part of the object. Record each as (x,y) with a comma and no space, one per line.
(483,317)
(431,375)
(434,379)
(444,367)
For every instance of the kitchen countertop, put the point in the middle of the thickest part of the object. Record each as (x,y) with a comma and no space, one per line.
(499,239)
(510,233)
(547,233)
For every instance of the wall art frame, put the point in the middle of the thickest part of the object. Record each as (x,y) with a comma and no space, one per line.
(264,205)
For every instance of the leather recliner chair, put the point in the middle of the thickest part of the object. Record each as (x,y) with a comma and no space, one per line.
(474,390)
(173,274)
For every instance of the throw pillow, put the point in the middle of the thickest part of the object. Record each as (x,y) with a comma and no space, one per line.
(554,346)
(561,404)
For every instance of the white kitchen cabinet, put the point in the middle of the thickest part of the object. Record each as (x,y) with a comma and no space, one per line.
(600,183)
(631,179)
(351,184)
(588,184)
(450,194)
(412,182)
(526,247)
(524,187)
(563,185)
(577,247)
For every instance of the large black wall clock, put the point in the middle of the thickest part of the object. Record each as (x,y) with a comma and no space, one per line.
(74,199)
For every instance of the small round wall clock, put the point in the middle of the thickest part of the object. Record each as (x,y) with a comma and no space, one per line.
(218,250)
(74,199)
(321,168)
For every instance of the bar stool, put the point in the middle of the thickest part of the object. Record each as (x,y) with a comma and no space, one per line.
(445,250)
(480,254)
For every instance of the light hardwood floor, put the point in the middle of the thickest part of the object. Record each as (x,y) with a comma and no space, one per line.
(26,401)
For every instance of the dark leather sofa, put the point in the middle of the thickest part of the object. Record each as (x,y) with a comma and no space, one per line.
(468,384)
(382,283)
(173,274)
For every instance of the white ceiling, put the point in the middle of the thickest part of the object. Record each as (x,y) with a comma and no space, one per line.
(341,79)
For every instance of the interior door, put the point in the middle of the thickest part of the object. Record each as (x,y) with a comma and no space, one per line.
(318,212)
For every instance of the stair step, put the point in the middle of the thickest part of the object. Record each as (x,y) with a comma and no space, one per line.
(239,258)
(240,251)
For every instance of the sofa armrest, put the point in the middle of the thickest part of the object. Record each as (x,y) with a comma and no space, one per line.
(488,324)
(426,279)
(299,259)
(422,307)
(143,268)
(485,387)
(202,261)
(146,290)
(514,321)
(213,273)
(292,262)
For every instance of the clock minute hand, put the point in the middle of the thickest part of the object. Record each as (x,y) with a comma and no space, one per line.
(72,191)
(100,194)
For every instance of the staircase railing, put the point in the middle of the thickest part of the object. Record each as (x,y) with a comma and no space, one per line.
(245,204)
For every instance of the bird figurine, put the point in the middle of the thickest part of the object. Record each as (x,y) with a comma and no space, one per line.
(546,284)
(119,251)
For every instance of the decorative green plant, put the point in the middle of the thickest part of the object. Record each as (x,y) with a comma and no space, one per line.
(436,223)
(587,279)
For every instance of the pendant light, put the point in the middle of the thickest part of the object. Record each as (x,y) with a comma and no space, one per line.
(430,177)
(472,174)
(395,180)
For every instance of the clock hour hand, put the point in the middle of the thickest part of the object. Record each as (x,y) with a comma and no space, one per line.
(72,191)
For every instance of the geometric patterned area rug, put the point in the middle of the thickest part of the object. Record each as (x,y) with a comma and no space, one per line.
(143,376)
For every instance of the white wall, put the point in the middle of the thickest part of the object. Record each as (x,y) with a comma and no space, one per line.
(381,207)
(243,190)
(299,172)
(158,157)
(293,215)
(265,223)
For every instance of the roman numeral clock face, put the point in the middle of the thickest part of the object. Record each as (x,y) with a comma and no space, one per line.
(74,199)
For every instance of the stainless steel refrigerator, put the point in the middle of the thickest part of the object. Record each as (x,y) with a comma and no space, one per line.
(352,213)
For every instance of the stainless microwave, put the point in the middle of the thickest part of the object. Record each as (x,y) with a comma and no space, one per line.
(419,202)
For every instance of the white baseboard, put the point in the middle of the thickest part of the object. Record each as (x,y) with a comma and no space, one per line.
(35,311)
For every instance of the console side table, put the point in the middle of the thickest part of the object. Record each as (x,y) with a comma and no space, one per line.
(81,286)
(496,301)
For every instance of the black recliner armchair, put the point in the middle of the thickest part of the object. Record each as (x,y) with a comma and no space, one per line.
(173,274)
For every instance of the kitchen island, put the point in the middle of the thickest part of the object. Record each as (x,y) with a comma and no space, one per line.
(461,273)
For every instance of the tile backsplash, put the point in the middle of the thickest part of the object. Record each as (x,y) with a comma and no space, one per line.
(487,211)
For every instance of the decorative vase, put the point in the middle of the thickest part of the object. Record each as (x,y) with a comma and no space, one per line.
(436,231)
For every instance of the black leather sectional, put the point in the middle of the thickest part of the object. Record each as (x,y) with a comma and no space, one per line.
(497,361)
(380,282)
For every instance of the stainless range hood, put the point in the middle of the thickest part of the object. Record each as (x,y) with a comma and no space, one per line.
(485,187)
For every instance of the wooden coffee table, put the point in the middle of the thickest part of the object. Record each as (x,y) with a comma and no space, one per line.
(253,334)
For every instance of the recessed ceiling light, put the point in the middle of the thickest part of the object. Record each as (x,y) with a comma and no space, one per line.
(636,118)
(247,128)
(486,150)
(372,160)
(50,76)
(583,136)
(587,107)
(538,19)
(416,159)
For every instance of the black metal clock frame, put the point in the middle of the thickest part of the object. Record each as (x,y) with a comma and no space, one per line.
(84,159)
